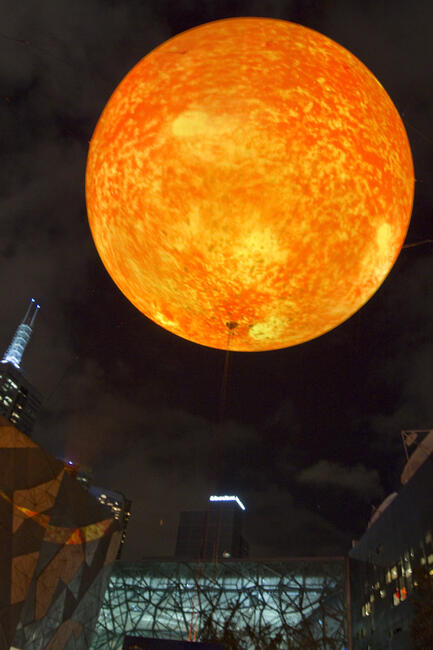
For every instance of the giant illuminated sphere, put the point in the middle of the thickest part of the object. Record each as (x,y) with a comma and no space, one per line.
(249,184)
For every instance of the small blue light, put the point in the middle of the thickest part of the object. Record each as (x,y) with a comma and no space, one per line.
(70,462)
(33,300)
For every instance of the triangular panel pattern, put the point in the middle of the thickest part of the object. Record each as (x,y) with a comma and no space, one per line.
(90,550)
(63,566)
(74,584)
(113,547)
(23,567)
(38,498)
(28,537)
(12,438)
(54,540)
(48,551)
(67,630)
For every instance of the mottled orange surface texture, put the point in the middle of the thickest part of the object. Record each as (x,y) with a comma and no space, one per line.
(249,171)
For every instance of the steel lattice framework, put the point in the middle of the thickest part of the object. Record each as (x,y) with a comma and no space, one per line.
(290,604)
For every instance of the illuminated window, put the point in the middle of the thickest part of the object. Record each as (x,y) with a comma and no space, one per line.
(366,609)
(396,597)
(428,538)
(394,572)
(371,598)
(403,593)
(382,593)
(422,561)
(430,558)
(388,577)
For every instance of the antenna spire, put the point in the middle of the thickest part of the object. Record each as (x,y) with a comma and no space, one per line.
(15,351)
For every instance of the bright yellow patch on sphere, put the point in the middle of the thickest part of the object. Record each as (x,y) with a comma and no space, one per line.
(249,171)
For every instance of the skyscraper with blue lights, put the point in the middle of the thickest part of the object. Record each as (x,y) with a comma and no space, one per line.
(19,400)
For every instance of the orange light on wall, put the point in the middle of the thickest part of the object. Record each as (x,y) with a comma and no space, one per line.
(249,183)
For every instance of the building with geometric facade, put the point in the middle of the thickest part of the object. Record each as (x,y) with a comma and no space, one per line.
(56,550)
(392,558)
(243,604)
(19,400)
(117,505)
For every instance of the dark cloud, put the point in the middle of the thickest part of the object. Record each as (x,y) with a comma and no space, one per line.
(365,482)
(290,528)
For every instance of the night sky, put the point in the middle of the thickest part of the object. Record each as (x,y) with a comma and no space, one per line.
(310,438)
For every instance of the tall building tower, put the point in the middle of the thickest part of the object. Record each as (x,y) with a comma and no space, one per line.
(215,533)
(19,400)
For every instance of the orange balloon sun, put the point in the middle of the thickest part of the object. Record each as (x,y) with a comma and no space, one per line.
(249,184)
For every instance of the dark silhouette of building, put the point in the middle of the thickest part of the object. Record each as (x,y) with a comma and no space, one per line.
(119,507)
(19,400)
(213,533)
(385,562)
